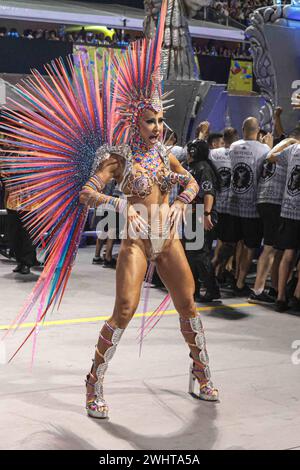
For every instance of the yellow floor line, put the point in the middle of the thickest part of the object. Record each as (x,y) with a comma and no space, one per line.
(106,317)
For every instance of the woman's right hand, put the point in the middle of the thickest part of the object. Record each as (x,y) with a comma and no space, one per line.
(137,225)
(88,197)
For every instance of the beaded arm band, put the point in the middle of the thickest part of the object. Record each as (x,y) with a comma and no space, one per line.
(191,188)
(96,199)
(95,183)
(110,201)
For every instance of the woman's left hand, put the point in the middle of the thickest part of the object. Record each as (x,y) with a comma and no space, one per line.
(176,214)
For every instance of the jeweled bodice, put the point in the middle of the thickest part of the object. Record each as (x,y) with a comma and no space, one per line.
(146,168)
(143,170)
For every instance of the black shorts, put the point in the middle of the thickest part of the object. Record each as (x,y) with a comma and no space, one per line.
(270,217)
(241,228)
(224,220)
(288,234)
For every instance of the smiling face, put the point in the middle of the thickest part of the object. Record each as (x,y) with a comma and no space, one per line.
(151,126)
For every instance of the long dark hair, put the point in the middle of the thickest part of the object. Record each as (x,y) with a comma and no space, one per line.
(199,151)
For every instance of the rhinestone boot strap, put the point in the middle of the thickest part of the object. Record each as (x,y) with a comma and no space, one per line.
(109,338)
(193,333)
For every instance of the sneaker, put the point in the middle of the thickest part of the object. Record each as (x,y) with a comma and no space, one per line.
(209,296)
(290,288)
(281,306)
(97,260)
(7,253)
(243,292)
(273,293)
(230,282)
(17,268)
(230,276)
(221,279)
(262,299)
(109,264)
(294,304)
(25,269)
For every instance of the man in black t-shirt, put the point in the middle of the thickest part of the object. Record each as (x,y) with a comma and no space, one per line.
(200,259)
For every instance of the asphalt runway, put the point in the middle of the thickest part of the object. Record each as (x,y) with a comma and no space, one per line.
(255,362)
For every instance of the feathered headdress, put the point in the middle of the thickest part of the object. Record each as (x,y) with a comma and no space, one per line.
(55,125)
(139,84)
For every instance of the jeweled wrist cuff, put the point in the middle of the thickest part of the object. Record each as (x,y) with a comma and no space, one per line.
(95,183)
(118,203)
(187,196)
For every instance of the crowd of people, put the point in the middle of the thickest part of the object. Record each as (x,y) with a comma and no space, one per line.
(235,9)
(219,49)
(240,10)
(211,48)
(81,37)
(252,188)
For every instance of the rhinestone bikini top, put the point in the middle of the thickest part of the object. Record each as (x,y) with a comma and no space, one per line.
(139,182)
(155,169)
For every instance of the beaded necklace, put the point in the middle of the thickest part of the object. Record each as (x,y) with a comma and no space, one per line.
(148,157)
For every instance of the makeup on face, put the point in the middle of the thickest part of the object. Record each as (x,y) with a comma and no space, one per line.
(151,126)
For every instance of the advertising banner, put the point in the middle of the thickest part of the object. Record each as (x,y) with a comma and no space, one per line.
(241,76)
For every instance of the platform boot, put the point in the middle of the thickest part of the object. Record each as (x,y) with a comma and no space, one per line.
(109,338)
(193,333)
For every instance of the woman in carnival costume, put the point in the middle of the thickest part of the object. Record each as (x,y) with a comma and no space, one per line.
(146,176)
(91,135)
